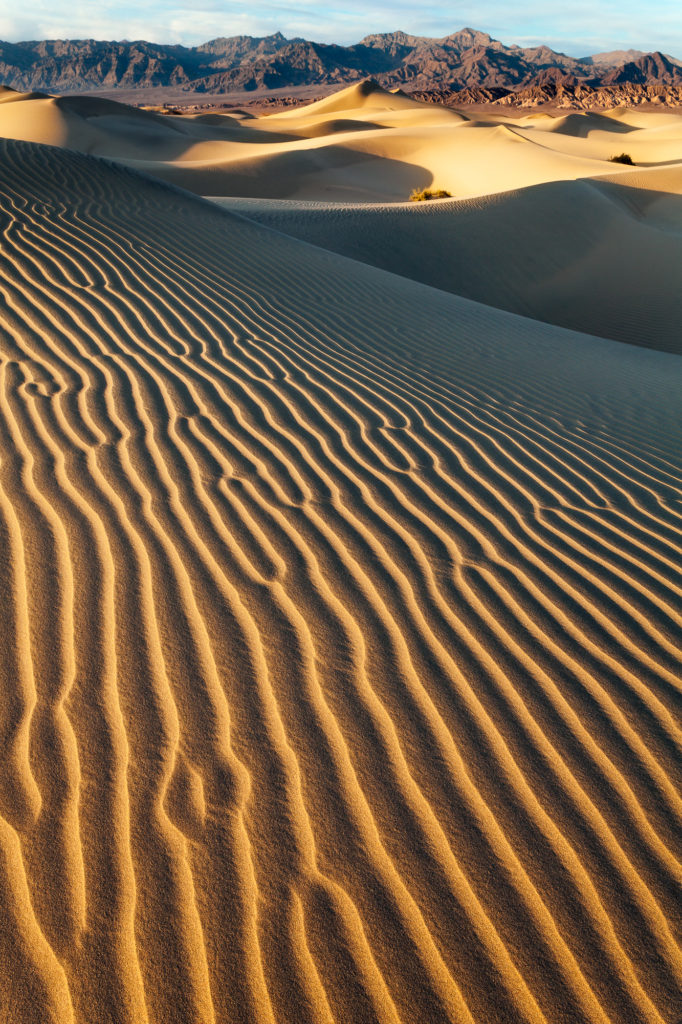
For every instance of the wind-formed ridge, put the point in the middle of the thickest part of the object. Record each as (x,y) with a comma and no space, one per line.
(341,665)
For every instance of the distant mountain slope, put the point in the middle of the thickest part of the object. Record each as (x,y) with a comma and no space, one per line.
(464,58)
(467,59)
(614,58)
(652,68)
(568,93)
(86,64)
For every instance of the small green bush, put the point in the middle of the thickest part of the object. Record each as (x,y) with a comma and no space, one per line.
(622,158)
(420,195)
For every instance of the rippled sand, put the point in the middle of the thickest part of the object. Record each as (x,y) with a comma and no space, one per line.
(340,674)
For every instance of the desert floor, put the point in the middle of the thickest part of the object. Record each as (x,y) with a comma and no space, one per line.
(340,566)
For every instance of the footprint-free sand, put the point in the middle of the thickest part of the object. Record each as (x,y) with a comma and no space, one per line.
(340,567)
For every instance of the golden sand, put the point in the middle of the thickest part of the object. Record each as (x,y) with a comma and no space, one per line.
(340,675)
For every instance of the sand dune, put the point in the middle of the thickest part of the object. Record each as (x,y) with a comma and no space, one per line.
(341,664)
(601,256)
(106,128)
(363,96)
(362,144)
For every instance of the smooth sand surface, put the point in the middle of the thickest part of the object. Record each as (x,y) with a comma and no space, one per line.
(341,663)
(362,144)
(602,256)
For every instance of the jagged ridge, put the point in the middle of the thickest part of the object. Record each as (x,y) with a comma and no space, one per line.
(340,675)
(464,59)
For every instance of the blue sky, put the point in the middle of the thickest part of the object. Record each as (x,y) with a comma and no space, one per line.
(576,27)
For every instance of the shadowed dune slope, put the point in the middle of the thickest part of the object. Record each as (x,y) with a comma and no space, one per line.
(597,256)
(360,145)
(366,96)
(340,676)
(114,130)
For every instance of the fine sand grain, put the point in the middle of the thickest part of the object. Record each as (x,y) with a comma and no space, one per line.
(341,642)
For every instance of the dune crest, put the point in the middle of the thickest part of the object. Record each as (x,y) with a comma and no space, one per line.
(367,95)
(601,256)
(363,144)
(341,677)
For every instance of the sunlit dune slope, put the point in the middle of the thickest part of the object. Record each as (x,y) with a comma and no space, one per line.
(365,96)
(341,666)
(105,128)
(601,256)
(362,144)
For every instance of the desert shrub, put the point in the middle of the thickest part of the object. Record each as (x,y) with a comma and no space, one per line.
(622,158)
(420,195)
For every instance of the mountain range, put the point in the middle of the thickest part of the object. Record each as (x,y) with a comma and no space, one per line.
(466,59)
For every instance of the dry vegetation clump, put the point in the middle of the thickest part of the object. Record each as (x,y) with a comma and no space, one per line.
(420,195)
(157,108)
(622,158)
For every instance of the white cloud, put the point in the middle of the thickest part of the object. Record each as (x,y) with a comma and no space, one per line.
(16,27)
(579,27)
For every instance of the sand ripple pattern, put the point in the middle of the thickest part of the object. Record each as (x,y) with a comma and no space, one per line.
(340,672)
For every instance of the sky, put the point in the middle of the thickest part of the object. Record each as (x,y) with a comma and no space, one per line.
(577,27)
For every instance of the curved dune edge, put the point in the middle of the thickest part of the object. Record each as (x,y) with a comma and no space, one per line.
(341,675)
(600,256)
(359,145)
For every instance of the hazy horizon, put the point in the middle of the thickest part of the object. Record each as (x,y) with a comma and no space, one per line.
(584,29)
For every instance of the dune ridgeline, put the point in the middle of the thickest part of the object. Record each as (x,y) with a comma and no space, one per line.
(340,566)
